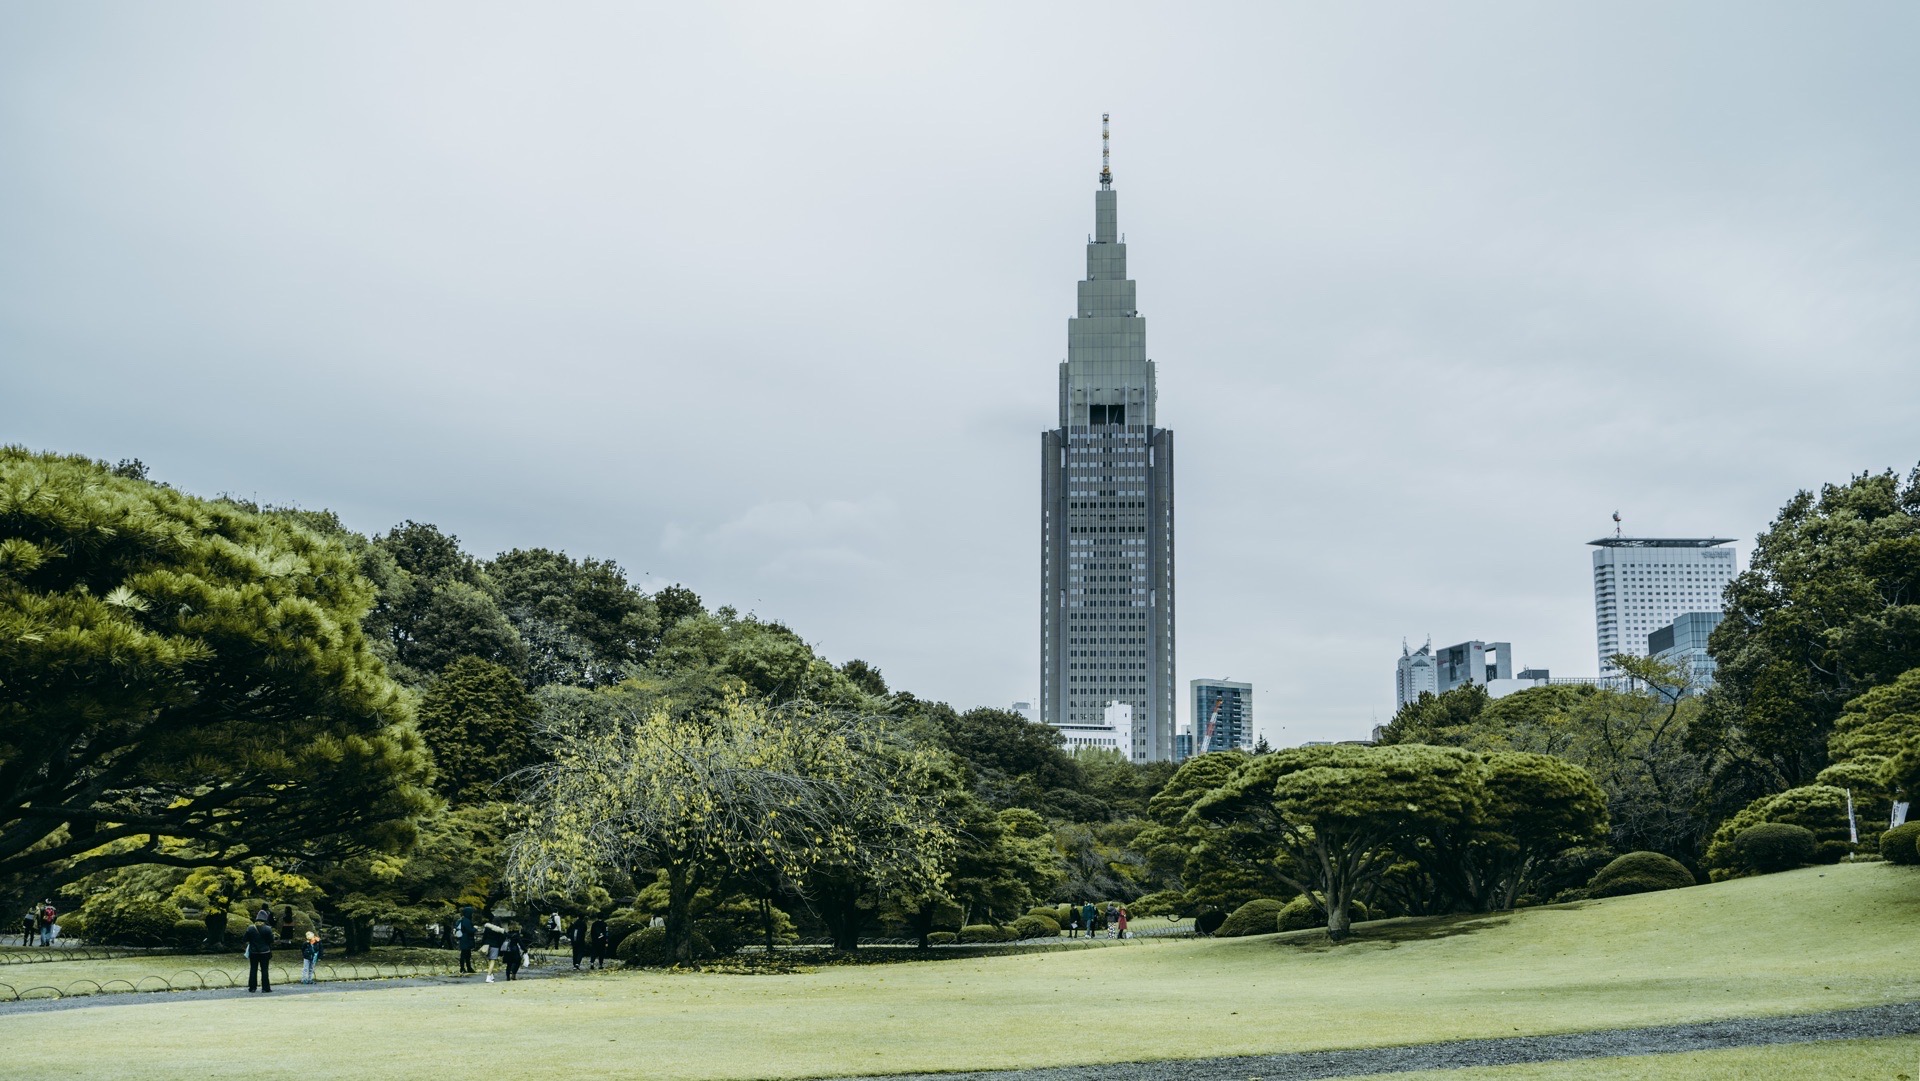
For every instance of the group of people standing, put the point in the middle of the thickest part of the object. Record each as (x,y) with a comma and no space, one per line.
(42,922)
(257,945)
(1090,918)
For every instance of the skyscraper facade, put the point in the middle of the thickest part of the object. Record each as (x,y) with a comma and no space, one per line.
(1222,713)
(1414,674)
(1641,584)
(1106,516)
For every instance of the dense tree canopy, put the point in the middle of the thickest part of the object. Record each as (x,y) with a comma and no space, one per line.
(1828,608)
(478,721)
(184,682)
(581,622)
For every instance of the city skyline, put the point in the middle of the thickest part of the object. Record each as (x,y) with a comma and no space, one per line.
(764,316)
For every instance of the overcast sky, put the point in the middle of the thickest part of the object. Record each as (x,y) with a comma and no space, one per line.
(768,299)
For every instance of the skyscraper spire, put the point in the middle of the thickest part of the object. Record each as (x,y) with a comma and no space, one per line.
(1106,173)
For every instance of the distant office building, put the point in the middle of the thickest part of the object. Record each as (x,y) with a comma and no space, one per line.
(1413,674)
(1024,709)
(1472,662)
(1111,732)
(1222,716)
(1106,519)
(1684,642)
(1641,584)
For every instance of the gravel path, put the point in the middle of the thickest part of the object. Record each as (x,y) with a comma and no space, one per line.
(1874,1021)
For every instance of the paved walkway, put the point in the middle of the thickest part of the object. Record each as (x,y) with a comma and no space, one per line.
(1873,1021)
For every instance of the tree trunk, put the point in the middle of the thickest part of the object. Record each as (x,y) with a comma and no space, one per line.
(680,890)
(359,931)
(766,921)
(922,924)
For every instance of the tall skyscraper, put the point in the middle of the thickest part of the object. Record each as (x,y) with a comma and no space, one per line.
(1414,674)
(1106,511)
(1641,584)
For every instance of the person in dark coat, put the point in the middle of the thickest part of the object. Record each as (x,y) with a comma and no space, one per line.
(259,946)
(463,931)
(513,953)
(577,936)
(599,937)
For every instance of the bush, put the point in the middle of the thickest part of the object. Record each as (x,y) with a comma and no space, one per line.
(1301,914)
(647,948)
(1773,846)
(1253,918)
(722,934)
(1639,872)
(621,924)
(189,934)
(119,920)
(942,938)
(1036,927)
(1901,844)
(72,924)
(1164,903)
(1059,914)
(986,932)
(1207,923)
(1818,807)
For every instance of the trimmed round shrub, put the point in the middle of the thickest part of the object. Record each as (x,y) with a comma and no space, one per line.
(1901,844)
(1207,923)
(1164,903)
(1302,914)
(942,938)
(189,934)
(129,921)
(1253,918)
(647,948)
(620,925)
(1057,913)
(1035,927)
(1771,847)
(986,932)
(1818,807)
(723,935)
(1639,872)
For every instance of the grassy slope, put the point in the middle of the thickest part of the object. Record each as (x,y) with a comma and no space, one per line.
(1804,941)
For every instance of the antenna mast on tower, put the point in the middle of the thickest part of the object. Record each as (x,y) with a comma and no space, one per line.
(1106,173)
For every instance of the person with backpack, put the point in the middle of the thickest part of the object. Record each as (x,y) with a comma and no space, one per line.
(463,935)
(577,937)
(309,957)
(258,943)
(49,924)
(493,937)
(601,944)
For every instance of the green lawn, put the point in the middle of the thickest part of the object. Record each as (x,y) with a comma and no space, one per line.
(144,971)
(1808,940)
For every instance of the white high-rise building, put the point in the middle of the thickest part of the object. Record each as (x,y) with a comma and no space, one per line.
(1641,584)
(1414,674)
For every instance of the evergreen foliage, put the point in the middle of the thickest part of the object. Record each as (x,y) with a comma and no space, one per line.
(1640,872)
(1771,847)
(1821,809)
(1256,917)
(1898,845)
(478,721)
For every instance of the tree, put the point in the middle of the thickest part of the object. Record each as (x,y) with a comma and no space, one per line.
(478,721)
(1441,720)
(434,604)
(581,622)
(1874,742)
(1828,608)
(1336,811)
(454,861)
(675,603)
(639,786)
(865,676)
(184,682)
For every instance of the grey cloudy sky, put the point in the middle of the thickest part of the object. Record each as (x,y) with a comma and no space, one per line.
(768,299)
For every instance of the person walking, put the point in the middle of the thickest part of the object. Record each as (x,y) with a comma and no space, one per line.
(493,937)
(577,937)
(600,943)
(1120,921)
(49,923)
(1087,915)
(553,929)
(1113,917)
(309,957)
(463,936)
(515,952)
(259,947)
(1073,922)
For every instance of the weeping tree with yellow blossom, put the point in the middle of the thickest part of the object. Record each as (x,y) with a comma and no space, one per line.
(704,795)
